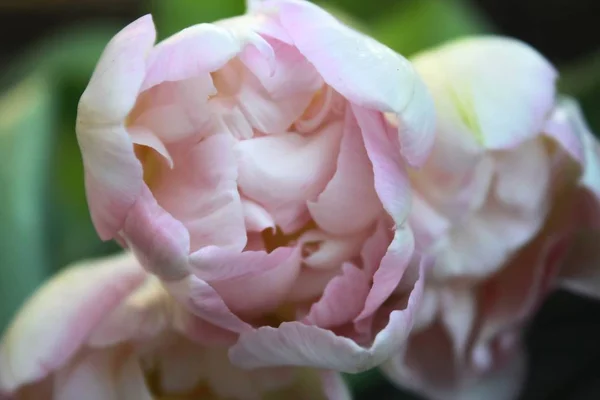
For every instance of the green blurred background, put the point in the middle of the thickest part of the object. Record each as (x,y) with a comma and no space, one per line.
(48,50)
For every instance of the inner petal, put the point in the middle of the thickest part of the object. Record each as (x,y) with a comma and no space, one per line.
(201,192)
(290,169)
(176,111)
(326,105)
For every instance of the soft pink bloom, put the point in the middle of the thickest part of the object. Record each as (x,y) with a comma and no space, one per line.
(509,190)
(247,163)
(107,330)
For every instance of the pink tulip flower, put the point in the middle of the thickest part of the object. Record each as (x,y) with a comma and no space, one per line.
(108,330)
(506,205)
(248,164)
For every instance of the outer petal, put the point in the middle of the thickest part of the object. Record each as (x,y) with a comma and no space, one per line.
(113,173)
(191,52)
(204,302)
(143,315)
(160,242)
(483,75)
(294,343)
(391,181)
(56,321)
(364,71)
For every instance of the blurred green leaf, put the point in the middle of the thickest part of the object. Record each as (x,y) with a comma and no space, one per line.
(173,16)
(415,25)
(365,381)
(344,16)
(365,10)
(26,111)
(44,222)
(582,80)
(581,77)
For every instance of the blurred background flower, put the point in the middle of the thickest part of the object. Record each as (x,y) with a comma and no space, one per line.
(48,49)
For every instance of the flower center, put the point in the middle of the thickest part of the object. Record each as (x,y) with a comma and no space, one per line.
(152,163)
(201,391)
(274,239)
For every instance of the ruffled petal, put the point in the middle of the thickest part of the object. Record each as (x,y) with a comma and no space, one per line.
(41,340)
(294,343)
(363,70)
(113,175)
